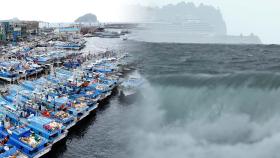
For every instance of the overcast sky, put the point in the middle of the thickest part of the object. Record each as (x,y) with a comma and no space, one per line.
(260,17)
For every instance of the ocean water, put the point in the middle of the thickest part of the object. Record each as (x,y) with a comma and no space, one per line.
(219,101)
(200,101)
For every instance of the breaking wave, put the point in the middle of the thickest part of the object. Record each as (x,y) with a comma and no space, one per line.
(206,101)
(201,121)
(263,80)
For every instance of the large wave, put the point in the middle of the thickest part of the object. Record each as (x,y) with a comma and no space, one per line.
(263,80)
(206,101)
(202,121)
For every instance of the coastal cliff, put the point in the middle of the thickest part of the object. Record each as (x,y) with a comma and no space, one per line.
(202,18)
(186,22)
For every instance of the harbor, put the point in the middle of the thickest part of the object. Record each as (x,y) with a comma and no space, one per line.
(139,79)
(50,84)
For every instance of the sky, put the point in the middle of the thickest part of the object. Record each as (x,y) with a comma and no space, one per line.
(242,16)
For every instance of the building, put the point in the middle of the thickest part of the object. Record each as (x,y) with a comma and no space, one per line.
(67,30)
(17,30)
(32,27)
(2,33)
(5,30)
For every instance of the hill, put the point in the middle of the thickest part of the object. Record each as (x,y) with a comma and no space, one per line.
(87,18)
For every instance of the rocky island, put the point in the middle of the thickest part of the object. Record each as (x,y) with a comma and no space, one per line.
(87,18)
(186,23)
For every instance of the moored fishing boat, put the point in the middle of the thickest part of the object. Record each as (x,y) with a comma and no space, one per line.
(8,71)
(34,104)
(59,115)
(69,45)
(45,108)
(55,101)
(19,135)
(7,150)
(48,128)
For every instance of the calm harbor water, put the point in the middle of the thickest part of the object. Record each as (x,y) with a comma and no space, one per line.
(199,101)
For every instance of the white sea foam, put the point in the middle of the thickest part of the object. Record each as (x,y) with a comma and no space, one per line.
(205,123)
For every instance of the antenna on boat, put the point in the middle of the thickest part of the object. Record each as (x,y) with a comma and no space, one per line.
(52,69)
(17,98)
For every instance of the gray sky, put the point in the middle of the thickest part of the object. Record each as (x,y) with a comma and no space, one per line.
(242,16)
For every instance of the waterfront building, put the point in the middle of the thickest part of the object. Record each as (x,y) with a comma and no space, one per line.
(68,30)
(5,30)
(17,30)
(2,33)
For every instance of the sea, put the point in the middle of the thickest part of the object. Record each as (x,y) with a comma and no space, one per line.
(199,101)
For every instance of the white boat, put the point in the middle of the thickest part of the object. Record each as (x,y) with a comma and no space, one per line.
(130,87)
(124,38)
